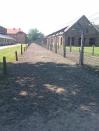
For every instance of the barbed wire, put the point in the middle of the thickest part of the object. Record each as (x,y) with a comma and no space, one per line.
(94,15)
(94,18)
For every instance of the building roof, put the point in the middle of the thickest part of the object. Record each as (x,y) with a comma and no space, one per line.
(97,27)
(65,29)
(2,27)
(13,31)
(6,37)
(61,30)
(79,28)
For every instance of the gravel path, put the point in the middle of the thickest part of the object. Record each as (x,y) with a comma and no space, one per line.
(46,92)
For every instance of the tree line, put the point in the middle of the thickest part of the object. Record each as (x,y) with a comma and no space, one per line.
(35,35)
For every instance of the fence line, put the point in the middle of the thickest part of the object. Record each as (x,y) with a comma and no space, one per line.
(91,54)
(3,64)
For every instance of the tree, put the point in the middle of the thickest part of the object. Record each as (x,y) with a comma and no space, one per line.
(34,35)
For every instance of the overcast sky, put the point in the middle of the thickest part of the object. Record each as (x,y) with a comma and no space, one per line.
(46,15)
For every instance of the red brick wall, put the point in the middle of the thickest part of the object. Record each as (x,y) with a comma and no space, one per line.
(21,37)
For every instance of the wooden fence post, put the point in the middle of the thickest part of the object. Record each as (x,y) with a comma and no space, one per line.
(16,55)
(79,49)
(55,41)
(64,46)
(21,50)
(24,49)
(4,66)
(70,48)
(93,50)
(51,47)
(70,45)
(55,47)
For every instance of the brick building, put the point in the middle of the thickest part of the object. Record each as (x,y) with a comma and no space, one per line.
(17,34)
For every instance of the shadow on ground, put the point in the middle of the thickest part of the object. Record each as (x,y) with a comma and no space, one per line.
(46,88)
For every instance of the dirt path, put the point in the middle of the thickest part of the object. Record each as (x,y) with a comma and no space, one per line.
(46,92)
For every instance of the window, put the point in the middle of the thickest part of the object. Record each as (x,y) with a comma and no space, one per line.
(68,41)
(79,41)
(92,41)
(72,40)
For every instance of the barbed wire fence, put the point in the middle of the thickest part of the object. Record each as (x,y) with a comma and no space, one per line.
(90,53)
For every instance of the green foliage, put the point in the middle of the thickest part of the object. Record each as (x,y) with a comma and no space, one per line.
(34,35)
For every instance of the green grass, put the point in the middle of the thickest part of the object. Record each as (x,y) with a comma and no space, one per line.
(90,50)
(9,52)
(73,48)
(87,50)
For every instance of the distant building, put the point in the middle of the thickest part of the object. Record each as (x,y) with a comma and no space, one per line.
(3,30)
(4,38)
(17,34)
(71,34)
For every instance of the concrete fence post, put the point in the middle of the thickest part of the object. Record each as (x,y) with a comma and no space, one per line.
(81,62)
